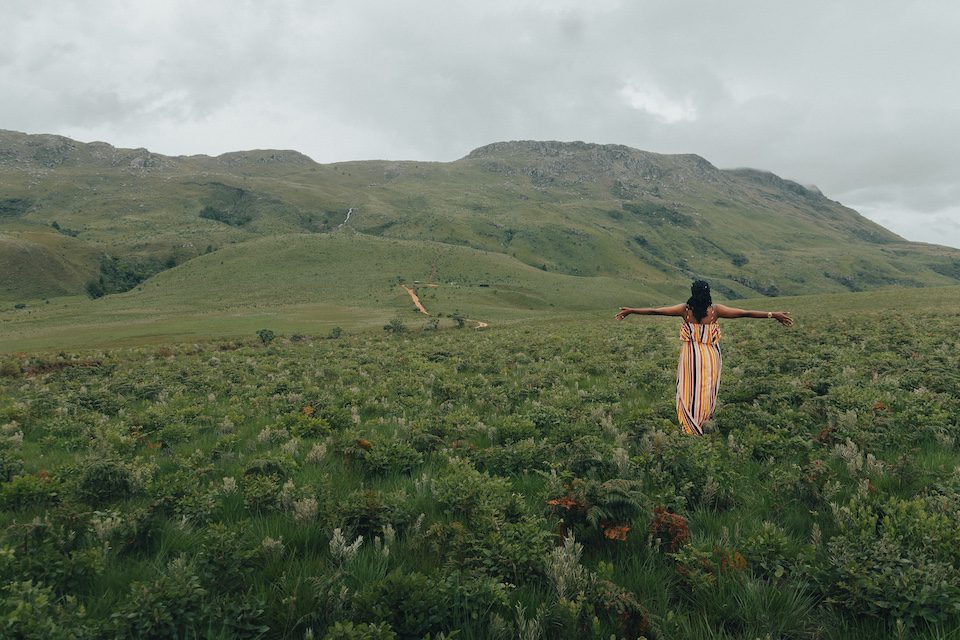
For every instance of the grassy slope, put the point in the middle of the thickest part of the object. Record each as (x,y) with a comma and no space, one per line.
(351,280)
(344,279)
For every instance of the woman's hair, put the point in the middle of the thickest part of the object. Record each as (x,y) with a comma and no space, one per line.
(700,299)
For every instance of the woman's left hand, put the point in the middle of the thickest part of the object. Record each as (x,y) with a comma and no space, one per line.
(783,317)
(624,312)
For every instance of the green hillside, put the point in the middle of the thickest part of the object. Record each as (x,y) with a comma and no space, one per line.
(573,208)
(545,225)
(311,283)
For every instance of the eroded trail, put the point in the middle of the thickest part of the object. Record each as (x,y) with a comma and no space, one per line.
(416,299)
(422,309)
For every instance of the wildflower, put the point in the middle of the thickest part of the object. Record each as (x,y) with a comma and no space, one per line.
(563,568)
(317,453)
(305,510)
(229,486)
(103,524)
(270,545)
(291,446)
(308,410)
(288,494)
(342,552)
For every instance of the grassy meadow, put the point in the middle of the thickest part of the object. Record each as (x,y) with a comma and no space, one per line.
(524,481)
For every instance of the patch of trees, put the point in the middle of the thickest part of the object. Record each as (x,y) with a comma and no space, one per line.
(949,269)
(73,233)
(123,274)
(233,217)
(768,288)
(14,207)
(658,214)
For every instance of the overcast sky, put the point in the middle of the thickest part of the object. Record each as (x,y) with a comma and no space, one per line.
(857,97)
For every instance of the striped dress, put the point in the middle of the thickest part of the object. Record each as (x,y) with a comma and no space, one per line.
(698,375)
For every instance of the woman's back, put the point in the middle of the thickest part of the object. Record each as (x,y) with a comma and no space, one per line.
(709,317)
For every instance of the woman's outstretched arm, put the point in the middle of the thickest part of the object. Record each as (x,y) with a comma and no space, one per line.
(783,317)
(675,310)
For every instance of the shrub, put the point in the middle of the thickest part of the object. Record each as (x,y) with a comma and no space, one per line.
(350,631)
(261,492)
(267,467)
(28,491)
(223,561)
(392,456)
(896,558)
(10,369)
(266,336)
(464,491)
(686,472)
(170,606)
(395,326)
(53,554)
(32,610)
(10,465)
(415,604)
(103,481)
(606,507)
(368,511)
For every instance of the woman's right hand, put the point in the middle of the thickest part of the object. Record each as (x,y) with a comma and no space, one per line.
(624,312)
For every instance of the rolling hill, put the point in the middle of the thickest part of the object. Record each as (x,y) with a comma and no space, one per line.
(542,224)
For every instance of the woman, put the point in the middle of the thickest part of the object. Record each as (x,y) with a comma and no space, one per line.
(698,373)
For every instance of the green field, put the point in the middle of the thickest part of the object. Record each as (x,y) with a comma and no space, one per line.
(527,480)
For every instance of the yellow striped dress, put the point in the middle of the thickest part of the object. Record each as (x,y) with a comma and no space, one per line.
(698,375)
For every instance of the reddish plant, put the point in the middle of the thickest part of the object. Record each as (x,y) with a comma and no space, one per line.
(615,531)
(670,528)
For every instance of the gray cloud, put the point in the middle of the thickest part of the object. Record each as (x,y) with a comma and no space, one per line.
(855,97)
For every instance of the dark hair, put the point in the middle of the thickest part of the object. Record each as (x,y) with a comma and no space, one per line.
(700,299)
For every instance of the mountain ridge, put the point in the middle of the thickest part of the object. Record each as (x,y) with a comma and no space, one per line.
(573,208)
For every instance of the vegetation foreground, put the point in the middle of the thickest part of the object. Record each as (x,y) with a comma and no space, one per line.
(527,481)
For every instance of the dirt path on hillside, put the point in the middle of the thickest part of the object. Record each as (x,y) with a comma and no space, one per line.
(416,301)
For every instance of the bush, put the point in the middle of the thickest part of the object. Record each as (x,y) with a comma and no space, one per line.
(415,604)
(170,606)
(10,465)
(266,336)
(350,631)
(28,491)
(464,491)
(395,326)
(103,481)
(33,611)
(687,472)
(52,554)
(368,511)
(10,369)
(392,456)
(897,558)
